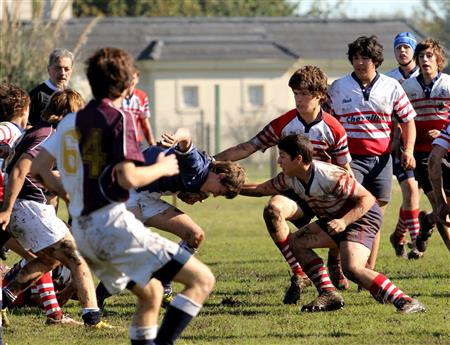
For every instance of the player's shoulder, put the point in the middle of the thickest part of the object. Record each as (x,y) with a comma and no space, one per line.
(393,73)
(141,94)
(331,121)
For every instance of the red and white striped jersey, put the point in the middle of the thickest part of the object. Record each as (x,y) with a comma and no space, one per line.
(329,192)
(9,133)
(137,105)
(327,136)
(432,107)
(397,74)
(366,113)
(444,138)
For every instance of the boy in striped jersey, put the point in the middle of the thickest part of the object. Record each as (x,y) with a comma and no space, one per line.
(408,219)
(430,96)
(365,102)
(348,218)
(309,85)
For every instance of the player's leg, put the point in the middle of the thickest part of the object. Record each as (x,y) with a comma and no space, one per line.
(276,213)
(199,282)
(302,243)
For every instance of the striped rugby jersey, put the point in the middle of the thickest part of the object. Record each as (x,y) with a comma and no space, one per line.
(432,106)
(444,138)
(366,113)
(327,136)
(137,105)
(329,192)
(397,74)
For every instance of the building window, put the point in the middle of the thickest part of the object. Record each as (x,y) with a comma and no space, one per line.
(255,96)
(190,96)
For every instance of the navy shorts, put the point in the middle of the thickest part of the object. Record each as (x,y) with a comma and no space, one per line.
(400,173)
(361,231)
(308,214)
(421,172)
(375,174)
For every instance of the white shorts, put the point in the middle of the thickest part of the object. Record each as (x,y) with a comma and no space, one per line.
(120,249)
(147,204)
(35,225)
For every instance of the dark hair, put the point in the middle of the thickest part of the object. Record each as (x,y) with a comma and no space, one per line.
(368,47)
(62,103)
(311,79)
(109,71)
(13,101)
(437,49)
(234,176)
(297,144)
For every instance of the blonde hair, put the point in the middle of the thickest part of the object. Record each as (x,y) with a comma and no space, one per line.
(62,103)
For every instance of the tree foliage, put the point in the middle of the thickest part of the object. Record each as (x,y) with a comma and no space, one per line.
(185,8)
(25,46)
(434,19)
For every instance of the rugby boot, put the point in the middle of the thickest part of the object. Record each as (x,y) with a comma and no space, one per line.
(409,306)
(398,245)
(326,301)
(415,254)
(298,283)
(167,295)
(337,277)
(425,231)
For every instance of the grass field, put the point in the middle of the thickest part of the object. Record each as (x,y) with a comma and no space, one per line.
(245,307)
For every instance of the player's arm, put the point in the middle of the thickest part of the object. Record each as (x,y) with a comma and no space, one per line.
(363,201)
(409,138)
(182,138)
(147,130)
(16,179)
(129,175)
(347,167)
(42,169)
(435,174)
(261,189)
(237,152)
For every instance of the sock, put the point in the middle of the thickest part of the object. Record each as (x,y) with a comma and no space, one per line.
(102,294)
(317,272)
(91,316)
(285,249)
(47,294)
(384,291)
(401,227)
(143,335)
(178,315)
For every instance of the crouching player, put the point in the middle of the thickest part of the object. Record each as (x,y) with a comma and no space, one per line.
(348,218)
(96,150)
(199,174)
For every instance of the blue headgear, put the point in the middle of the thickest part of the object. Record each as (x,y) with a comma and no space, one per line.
(405,38)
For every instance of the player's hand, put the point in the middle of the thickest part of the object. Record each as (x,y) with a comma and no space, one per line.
(408,160)
(433,133)
(192,198)
(4,219)
(169,164)
(336,226)
(168,140)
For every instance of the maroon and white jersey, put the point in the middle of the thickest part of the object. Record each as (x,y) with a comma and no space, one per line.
(432,105)
(366,112)
(87,145)
(31,144)
(329,192)
(398,75)
(327,136)
(137,105)
(443,139)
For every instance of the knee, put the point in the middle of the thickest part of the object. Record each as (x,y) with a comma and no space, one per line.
(198,236)
(272,215)
(205,281)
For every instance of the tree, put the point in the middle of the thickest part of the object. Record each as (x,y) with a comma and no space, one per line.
(434,19)
(25,46)
(186,8)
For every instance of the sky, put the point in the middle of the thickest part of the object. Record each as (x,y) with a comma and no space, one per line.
(366,8)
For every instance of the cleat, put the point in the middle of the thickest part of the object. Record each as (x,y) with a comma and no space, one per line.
(326,301)
(5,320)
(298,283)
(100,325)
(167,296)
(398,245)
(65,320)
(338,278)
(410,307)
(415,254)
(425,231)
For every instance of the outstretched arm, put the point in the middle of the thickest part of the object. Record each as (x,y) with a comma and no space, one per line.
(261,189)
(237,152)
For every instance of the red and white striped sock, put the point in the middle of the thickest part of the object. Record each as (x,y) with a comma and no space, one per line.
(318,274)
(47,294)
(289,256)
(412,223)
(384,291)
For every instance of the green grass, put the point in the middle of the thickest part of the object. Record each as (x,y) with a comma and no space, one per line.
(245,307)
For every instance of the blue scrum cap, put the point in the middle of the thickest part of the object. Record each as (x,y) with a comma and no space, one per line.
(405,38)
